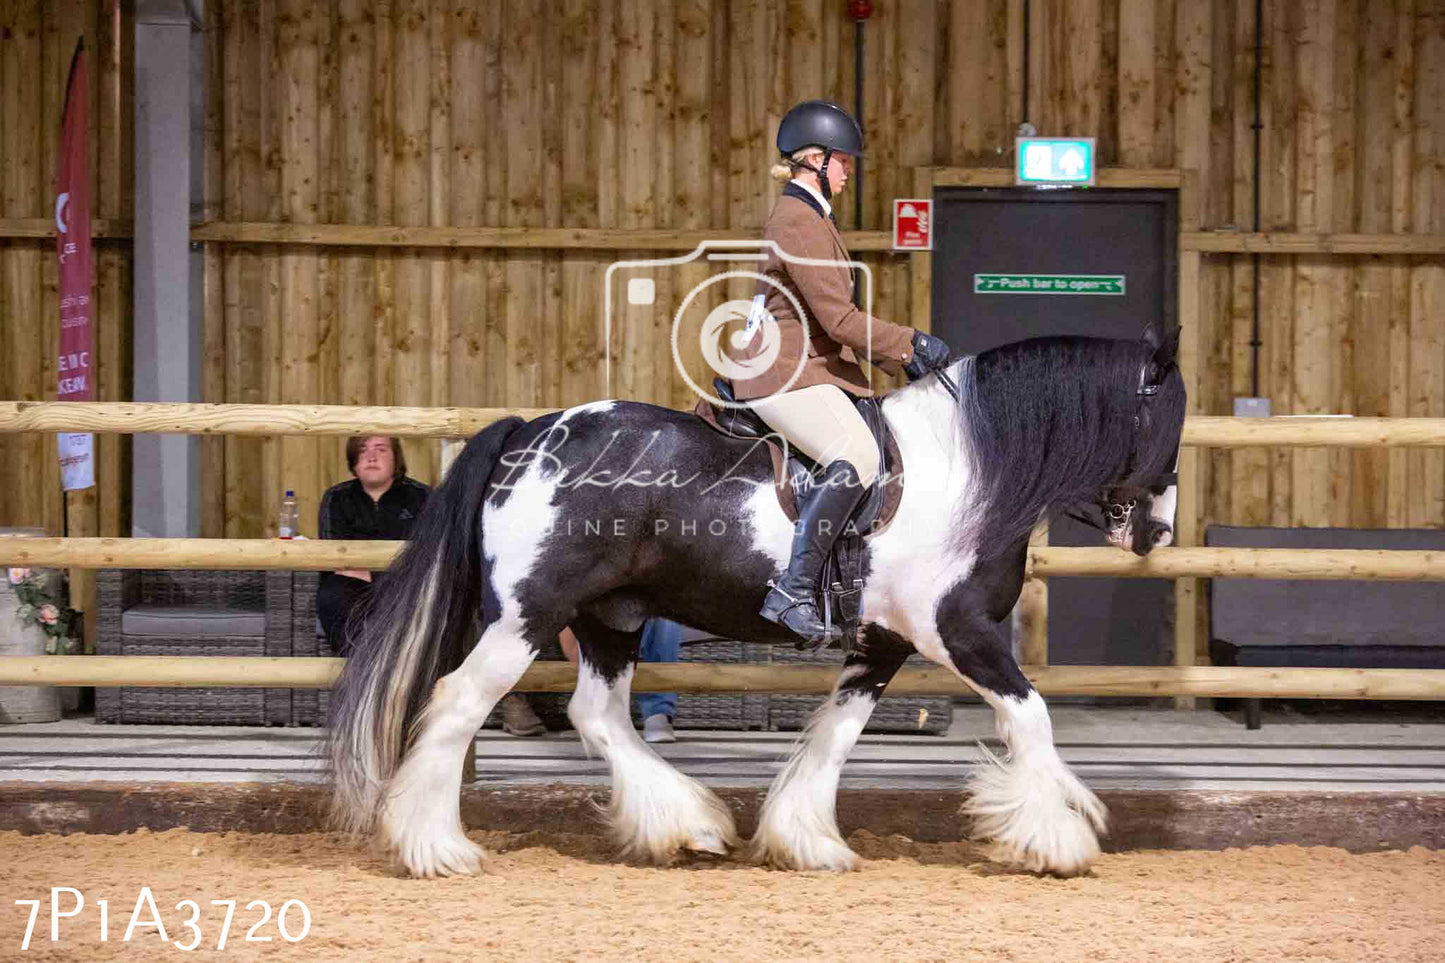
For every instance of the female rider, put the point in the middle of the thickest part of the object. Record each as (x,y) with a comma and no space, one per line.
(818,142)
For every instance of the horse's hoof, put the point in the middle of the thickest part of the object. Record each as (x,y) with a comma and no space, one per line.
(432,859)
(832,855)
(1053,861)
(1040,820)
(711,843)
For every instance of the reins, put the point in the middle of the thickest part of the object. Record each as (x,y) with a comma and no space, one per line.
(948,384)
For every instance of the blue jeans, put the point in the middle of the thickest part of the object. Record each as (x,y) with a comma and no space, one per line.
(661,642)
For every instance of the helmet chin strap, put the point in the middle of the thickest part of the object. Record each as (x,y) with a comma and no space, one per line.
(823,184)
(822,171)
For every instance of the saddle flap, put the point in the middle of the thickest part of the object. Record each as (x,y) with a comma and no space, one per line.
(736,419)
(793,475)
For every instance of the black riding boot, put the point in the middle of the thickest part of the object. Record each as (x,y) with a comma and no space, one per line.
(792,602)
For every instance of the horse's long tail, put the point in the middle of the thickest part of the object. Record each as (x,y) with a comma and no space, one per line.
(416,630)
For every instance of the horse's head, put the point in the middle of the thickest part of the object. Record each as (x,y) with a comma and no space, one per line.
(1139,508)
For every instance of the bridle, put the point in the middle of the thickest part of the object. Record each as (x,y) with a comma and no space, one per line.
(1121,513)
(1166,478)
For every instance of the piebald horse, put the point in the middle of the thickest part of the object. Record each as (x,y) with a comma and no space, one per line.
(609,513)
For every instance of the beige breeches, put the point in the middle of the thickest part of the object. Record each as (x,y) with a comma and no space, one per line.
(821,422)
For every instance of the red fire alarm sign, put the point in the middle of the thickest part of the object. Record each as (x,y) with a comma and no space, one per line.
(912,224)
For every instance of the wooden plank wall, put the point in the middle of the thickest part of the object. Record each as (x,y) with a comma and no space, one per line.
(660,114)
(35,52)
(1353,132)
(522,114)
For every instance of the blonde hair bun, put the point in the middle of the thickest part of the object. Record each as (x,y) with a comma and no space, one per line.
(782,171)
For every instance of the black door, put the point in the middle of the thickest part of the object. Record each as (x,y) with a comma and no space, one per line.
(1010,236)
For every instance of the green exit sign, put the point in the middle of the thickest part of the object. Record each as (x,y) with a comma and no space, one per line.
(1054,160)
(1108,284)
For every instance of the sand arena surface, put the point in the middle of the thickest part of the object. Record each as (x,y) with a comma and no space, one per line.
(567,898)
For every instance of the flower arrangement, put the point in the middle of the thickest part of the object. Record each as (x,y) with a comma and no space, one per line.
(42,596)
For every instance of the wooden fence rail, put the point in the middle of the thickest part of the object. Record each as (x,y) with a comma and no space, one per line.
(211,419)
(1182,680)
(674,239)
(1092,680)
(1200,431)
(1043,561)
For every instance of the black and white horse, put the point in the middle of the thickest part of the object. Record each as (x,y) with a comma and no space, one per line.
(609,513)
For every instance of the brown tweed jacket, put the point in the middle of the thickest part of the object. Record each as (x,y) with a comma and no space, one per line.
(839,333)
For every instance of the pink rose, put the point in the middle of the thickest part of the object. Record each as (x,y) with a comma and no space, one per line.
(49,614)
(18,575)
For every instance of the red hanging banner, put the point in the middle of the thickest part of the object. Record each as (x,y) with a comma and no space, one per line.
(72,242)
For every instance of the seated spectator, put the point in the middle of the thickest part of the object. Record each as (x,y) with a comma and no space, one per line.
(379,502)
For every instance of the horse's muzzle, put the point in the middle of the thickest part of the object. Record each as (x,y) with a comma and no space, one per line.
(1148,534)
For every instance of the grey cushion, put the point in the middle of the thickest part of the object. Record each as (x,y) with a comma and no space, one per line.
(1313,612)
(186,621)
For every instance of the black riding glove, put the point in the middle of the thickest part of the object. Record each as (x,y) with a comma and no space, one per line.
(929,354)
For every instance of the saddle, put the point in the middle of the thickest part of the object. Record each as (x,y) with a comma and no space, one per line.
(795,474)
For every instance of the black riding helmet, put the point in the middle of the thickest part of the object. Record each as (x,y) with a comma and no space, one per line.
(819,123)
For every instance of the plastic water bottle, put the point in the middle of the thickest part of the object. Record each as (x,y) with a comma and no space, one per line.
(288,518)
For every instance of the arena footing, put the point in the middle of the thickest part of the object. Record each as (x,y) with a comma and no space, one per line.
(1140,819)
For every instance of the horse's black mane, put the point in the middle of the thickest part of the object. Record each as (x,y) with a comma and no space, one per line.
(1050,423)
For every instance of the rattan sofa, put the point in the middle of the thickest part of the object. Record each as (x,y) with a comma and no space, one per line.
(194,613)
(917,715)
(777,712)
(695,710)
(274,614)
(309,706)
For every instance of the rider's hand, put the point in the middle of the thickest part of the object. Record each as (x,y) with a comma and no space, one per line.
(929,354)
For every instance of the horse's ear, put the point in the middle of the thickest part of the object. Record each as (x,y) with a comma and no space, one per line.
(1166,350)
(1153,335)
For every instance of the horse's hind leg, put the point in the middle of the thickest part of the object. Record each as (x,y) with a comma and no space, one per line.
(798,827)
(1029,804)
(421,818)
(655,810)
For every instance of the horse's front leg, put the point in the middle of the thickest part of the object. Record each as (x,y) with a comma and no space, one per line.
(798,827)
(1030,806)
